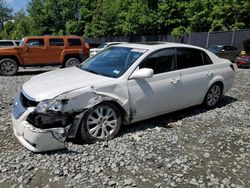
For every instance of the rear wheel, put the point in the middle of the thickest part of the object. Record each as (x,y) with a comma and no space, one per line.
(213,95)
(100,123)
(72,62)
(8,67)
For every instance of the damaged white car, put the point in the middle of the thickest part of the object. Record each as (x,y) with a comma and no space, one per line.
(120,85)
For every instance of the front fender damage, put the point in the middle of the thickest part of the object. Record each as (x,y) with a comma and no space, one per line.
(54,138)
(97,99)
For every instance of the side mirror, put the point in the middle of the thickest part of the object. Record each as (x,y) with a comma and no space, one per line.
(142,73)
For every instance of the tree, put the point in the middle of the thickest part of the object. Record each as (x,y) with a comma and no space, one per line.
(5,13)
(171,15)
(22,25)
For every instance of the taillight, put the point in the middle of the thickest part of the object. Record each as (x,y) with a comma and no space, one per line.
(242,62)
(232,67)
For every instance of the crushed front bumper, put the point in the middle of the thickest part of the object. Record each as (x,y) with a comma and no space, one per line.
(38,140)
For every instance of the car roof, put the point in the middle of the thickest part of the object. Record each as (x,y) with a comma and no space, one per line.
(157,45)
(7,40)
(219,45)
(53,36)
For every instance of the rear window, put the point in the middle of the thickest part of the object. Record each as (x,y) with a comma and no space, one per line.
(188,57)
(74,42)
(56,42)
(206,59)
(6,43)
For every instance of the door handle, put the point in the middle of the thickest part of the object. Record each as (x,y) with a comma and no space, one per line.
(210,74)
(175,81)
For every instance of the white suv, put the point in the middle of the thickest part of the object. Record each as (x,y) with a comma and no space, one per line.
(94,51)
(122,84)
(9,43)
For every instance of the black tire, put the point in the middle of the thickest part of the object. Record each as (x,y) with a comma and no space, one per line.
(100,128)
(213,95)
(72,62)
(8,67)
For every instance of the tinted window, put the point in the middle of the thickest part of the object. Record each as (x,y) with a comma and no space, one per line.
(229,48)
(56,42)
(35,42)
(162,61)
(206,59)
(188,57)
(74,42)
(6,43)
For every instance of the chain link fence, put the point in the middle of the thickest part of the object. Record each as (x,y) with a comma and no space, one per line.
(203,39)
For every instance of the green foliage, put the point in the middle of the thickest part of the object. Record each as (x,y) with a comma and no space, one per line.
(93,18)
(5,11)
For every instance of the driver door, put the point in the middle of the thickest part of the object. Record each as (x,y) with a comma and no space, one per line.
(35,52)
(157,95)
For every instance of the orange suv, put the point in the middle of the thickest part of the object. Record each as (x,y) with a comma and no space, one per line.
(43,51)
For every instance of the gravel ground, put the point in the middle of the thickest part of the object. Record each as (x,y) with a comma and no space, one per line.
(189,148)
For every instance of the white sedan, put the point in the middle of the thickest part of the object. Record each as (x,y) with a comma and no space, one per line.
(122,84)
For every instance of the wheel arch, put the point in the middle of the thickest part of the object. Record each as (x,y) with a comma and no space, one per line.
(118,106)
(218,80)
(15,58)
(68,56)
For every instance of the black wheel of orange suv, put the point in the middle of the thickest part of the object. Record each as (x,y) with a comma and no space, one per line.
(71,62)
(8,67)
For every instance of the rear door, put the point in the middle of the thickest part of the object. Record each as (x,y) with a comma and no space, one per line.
(35,52)
(196,71)
(159,94)
(55,49)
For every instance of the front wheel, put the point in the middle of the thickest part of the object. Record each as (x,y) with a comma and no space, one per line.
(100,123)
(8,67)
(72,62)
(213,95)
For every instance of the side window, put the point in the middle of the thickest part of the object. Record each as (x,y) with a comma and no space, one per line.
(35,42)
(56,42)
(17,43)
(6,43)
(74,42)
(161,61)
(230,48)
(188,57)
(206,59)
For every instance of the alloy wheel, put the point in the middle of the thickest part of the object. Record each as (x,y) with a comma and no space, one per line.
(213,95)
(102,122)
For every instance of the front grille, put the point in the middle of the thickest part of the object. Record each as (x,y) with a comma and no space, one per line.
(18,108)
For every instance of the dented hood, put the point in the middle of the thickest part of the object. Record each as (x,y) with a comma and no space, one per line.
(51,84)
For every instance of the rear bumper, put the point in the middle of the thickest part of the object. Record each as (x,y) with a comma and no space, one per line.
(244,65)
(38,140)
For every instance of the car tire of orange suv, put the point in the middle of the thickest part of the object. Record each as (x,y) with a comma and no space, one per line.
(8,67)
(72,62)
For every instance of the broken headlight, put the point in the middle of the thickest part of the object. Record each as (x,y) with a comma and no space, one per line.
(50,105)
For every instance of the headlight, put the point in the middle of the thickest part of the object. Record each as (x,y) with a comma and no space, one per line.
(49,105)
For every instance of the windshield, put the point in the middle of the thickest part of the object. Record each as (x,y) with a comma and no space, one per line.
(215,49)
(112,62)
